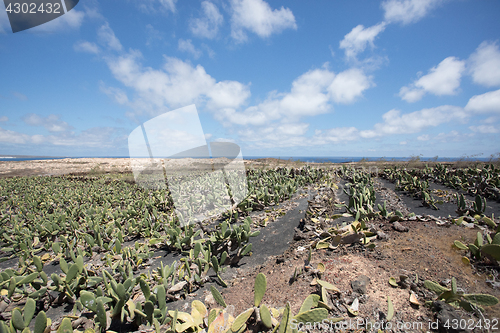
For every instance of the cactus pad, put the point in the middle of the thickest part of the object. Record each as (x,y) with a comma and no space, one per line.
(241,320)
(65,326)
(265,316)
(40,322)
(433,286)
(390,309)
(260,288)
(312,316)
(217,296)
(492,250)
(481,299)
(310,302)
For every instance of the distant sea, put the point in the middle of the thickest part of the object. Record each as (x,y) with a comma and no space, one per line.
(310,159)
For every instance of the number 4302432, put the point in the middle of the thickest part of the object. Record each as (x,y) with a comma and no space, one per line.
(32,8)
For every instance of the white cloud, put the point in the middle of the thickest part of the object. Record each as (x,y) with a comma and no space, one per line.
(276,135)
(294,135)
(208,25)
(51,123)
(84,46)
(152,6)
(176,84)
(186,45)
(227,94)
(397,123)
(210,52)
(485,64)
(336,135)
(4,22)
(224,140)
(307,97)
(258,17)
(490,120)
(444,79)
(153,34)
(4,119)
(7,136)
(71,20)
(117,94)
(484,129)
(407,11)
(359,38)
(168,5)
(403,143)
(349,85)
(311,94)
(411,94)
(107,37)
(485,103)
(452,136)
(424,137)
(19,96)
(96,137)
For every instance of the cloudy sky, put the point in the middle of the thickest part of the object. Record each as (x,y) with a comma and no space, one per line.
(280,78)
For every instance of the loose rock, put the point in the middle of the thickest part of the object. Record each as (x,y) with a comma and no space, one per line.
(359,285)
(446,314)
(399,227)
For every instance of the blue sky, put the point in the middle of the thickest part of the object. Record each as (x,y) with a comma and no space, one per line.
(279,78)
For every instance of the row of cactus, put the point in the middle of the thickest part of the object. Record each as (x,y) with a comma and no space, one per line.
(359,189)
(478,207)
(263,318)
(276,185)
(21,319)
(412,183)
(481,248)
(154,312)
(37,208)
(484,180)
(362,195)
(457,298)
(102,217)
(31,281)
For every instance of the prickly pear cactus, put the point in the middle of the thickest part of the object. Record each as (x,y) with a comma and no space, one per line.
(260,288)
(40,322)
(492,249)
(241,320)
(481,299)
(312,316)
(217,296)
(265,316)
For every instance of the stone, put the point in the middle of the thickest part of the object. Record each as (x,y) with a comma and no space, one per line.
(359,285)
(382,235)
(399,227)
(445,313)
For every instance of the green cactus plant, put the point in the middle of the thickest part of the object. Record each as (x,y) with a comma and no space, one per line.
(217,296)
(259,288)
(469,302)
(40,322)
(478,206)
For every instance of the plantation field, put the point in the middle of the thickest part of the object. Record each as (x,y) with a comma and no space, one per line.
(88,249)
